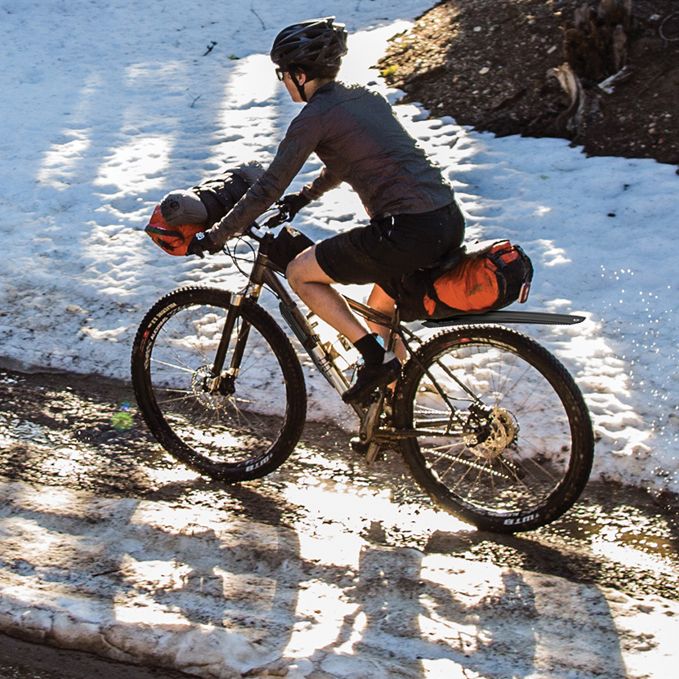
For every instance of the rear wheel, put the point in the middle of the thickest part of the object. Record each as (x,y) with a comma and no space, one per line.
(499,432)
(242,425)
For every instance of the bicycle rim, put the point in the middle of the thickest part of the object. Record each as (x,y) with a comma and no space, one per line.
(504,438)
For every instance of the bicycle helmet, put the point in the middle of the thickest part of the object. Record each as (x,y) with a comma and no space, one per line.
(317,46)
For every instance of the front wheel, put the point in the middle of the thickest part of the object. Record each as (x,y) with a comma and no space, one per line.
(240,426)
(494,428)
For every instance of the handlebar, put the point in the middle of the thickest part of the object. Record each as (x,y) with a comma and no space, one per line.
(280,215)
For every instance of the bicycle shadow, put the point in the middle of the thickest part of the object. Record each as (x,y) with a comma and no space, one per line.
(391,613)
(565,593)
(216,582)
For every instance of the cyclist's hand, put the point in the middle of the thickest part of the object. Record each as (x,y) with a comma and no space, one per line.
(200,244)
(294,202)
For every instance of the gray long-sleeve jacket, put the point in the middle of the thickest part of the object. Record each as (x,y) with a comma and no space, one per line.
(357,137)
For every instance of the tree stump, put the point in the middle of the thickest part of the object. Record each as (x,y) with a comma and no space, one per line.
(595,50)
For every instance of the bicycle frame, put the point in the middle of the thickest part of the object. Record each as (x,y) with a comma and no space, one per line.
(491,425)
(264,274)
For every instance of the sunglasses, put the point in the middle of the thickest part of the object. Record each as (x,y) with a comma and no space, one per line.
(280,74)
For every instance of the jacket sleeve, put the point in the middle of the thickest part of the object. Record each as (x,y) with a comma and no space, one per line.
(325,181)
(301,139)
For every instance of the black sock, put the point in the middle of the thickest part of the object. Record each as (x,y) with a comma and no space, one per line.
(370,349)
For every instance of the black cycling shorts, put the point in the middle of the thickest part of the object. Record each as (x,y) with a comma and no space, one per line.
(387,249)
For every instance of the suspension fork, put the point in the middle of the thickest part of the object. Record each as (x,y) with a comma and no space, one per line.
(232,314)
(261,275)
(252,292)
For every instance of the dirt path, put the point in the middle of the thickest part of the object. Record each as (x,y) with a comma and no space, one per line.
(67,430)
(326,568)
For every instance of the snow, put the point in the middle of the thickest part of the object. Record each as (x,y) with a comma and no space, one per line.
(218,595)
(107,106)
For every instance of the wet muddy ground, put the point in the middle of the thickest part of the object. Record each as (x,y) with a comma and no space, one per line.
(84,432)
(23,660)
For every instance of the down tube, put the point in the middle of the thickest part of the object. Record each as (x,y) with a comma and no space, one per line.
(309,340)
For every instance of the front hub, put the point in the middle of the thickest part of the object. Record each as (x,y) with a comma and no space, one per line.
(209,391)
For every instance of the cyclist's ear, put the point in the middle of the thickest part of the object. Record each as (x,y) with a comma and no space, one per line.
(299,76)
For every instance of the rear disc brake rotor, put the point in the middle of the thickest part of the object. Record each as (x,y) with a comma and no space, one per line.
(494,435)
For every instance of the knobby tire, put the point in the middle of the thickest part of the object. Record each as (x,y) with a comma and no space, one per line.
(506,439)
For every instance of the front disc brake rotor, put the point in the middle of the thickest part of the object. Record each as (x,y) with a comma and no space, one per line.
(200,385)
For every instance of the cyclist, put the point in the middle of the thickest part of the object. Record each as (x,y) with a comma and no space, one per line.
(414,219)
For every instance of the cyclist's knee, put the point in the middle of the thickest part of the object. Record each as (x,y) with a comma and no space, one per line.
(294,273)
(305,269)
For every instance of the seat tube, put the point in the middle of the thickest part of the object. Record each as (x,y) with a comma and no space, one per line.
(393,330)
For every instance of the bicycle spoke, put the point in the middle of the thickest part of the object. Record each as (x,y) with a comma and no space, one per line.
(186,397)
(444,456)
(542,468)
(172,365)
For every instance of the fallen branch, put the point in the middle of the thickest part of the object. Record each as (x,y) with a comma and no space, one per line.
(571,85)
(608,85)
(584,104)
(261,21)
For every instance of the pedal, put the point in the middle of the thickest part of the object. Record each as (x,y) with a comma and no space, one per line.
(358,446)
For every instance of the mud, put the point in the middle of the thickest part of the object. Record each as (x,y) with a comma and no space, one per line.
(23,660)
(487,63)
(84,432)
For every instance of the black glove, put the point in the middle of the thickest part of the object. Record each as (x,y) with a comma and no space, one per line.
(200,244)
(294,202)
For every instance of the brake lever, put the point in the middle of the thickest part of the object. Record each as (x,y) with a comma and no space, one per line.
(257,230)
(281,216)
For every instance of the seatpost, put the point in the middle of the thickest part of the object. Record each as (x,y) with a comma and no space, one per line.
(393,329)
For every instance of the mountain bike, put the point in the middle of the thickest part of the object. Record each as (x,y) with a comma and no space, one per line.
(490,424)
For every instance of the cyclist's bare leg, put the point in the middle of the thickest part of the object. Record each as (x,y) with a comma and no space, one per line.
(313,285)
(384,303)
